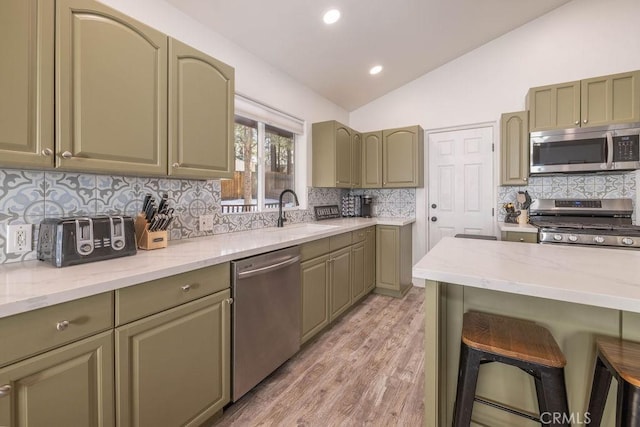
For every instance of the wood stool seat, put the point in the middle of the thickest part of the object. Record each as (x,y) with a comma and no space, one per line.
(516,338)
(620,359)
(490,338)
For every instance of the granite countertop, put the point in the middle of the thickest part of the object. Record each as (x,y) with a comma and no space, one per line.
(594,276)
(520,228)
(34,284)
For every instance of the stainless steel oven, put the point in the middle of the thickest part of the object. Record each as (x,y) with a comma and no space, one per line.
(579,150)
(586,222)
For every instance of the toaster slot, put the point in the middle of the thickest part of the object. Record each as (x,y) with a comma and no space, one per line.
(117,232)
(84,236)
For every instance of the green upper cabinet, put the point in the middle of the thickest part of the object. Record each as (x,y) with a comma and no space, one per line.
(372,160)
(592,102)
(554,106)
(514,148)
(611,99)
(333,151)
(26,103)
(403,157)
(356,159)
(201,129)
(111,91)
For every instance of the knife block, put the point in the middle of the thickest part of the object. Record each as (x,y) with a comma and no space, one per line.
(146,239)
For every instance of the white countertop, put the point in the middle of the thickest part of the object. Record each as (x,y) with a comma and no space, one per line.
(34,284)
(594,276)
(520,228)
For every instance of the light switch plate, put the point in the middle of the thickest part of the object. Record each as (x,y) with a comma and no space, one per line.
(19,238)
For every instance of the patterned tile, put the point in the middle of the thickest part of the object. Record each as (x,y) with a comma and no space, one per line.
(118,195)
(21,194)
(69,194)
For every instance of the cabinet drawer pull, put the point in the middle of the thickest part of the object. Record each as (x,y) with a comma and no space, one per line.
(47,152)
(5,390)
(61,326)
(522,239)
(185,288)
(67,155)
(229,301)
(585,121)
(176,165)
(577,122)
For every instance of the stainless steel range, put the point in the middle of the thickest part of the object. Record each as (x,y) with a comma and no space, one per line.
(592,222)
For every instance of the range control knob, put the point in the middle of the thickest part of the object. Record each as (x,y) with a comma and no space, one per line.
(598,239)
(627,241)
(557,237)
(573,238)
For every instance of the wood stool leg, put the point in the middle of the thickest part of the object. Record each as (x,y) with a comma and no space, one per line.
(599,391)
(466,391)
(628,407)
(554,406)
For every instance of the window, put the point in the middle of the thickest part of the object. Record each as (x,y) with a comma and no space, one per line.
(265,160)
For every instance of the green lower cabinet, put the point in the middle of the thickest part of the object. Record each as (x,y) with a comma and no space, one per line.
(517,236)
(340,279)
(69,386)
(315,296)
(358,288)
(393,260)
(172,368)
(370,259)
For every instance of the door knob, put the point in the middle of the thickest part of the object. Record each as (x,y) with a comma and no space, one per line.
(434,219)
(433,206)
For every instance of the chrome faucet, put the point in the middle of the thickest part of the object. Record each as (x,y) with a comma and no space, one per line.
(281,216)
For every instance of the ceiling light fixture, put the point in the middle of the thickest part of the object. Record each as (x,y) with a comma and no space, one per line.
(331,17)
(375,70)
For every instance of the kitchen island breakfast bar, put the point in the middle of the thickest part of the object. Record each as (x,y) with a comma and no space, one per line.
(576,292)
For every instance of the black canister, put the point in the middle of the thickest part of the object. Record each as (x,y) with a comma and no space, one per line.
(367,205)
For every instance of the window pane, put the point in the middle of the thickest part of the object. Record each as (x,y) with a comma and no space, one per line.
(240,194)
(279,166)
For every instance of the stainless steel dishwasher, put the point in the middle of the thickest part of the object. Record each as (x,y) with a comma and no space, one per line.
(266,316)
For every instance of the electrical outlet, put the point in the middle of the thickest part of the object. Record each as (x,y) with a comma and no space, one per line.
(206,222)
(19,238)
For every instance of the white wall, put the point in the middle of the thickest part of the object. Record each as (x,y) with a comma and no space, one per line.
(584,38)
(254,77)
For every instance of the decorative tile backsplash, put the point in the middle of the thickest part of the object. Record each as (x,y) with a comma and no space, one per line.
(590,186)
(395,203)
(30,196)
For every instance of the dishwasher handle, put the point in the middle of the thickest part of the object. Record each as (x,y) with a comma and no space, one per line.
(268,268)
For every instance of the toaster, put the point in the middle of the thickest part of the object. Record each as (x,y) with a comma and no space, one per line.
(76,240)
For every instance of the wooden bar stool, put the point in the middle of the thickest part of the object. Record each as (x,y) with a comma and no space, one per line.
(619,358)
(490,338)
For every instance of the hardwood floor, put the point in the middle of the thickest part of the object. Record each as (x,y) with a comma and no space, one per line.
(367,369)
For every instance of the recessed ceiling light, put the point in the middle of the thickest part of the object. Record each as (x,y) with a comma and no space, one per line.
(375,70)
(331,17)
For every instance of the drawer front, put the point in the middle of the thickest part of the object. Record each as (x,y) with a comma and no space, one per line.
(514,236)
(313,249)
(35,331)
(358,235)
(339,241)
(155,296)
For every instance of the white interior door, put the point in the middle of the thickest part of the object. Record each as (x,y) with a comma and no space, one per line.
(460,198)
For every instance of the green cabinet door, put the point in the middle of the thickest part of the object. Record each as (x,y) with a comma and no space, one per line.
(554,106)
(172,368)
(358,287)
(372,160)
(315,296)
(611,99)
(332,153)
(343,156)
(370,259)
(201,114)
(26,85)
(393,260)
(111,91)
(69,386)
(403,157)
(356,159)
(340,280)
(514,148)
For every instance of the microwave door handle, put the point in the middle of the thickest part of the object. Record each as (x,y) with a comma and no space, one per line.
(609,150)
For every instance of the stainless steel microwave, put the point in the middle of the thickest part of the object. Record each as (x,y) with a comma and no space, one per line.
(579,150)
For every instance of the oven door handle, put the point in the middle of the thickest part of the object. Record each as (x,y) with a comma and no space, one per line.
(609,150)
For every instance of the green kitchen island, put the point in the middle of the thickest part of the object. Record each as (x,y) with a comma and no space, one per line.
(576,292)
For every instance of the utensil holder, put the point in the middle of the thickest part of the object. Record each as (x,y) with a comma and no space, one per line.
(146,239)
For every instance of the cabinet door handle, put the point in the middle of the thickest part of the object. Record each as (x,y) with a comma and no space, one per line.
(229,301)
(585,121)
(577,122)
(176,165)
(61,326)
(67,155)
(47,152)
(185,288)
(5,390)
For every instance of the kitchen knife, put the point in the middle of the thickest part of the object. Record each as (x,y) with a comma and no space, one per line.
(163,203)
(145,203)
